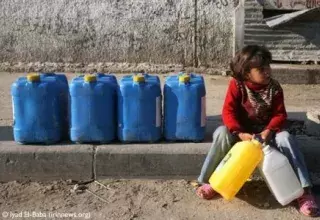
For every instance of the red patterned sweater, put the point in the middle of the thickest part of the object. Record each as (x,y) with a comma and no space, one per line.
(251,108)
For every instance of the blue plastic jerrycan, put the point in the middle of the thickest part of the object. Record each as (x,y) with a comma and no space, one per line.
(36,110)
(184,108)
(93,108)
(139,108)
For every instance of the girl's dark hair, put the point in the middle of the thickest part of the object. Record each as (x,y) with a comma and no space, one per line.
(251,56)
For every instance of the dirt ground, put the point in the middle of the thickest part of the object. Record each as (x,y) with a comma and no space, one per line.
(146,199)
(136,199)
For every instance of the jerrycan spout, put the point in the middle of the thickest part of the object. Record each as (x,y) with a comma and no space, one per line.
(267,149)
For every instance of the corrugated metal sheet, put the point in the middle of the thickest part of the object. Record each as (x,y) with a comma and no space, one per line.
(290,4)
(296,41)
(282,19)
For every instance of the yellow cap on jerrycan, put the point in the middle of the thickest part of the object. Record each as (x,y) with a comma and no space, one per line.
(184,78)
(33,77)
(236,167)
(138,78)
(90,78)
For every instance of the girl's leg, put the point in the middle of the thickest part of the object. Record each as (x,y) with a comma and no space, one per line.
(222,142)
(288,145)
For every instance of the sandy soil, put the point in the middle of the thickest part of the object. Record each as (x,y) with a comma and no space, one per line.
(137,199)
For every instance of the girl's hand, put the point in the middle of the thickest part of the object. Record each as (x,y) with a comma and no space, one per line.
(245,136)
(265,135)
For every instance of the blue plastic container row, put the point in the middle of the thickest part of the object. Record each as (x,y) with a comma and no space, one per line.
(102,111)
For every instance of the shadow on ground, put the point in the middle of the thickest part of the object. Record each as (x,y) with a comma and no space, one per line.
(6,133)
(257,194)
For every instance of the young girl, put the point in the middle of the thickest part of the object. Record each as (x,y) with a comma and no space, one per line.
(254,105)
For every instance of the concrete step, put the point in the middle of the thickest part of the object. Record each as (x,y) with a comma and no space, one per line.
(41,163)
(85,162)
(296,74)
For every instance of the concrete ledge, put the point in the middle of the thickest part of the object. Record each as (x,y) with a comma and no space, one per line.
(85,162)
(310,147)
(313,123)
(42,163)
(175,159)
(296,74)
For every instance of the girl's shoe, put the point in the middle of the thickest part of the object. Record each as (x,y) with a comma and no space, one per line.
(307,205)
(205,192)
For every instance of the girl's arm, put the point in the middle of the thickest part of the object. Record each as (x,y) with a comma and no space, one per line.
(230,107)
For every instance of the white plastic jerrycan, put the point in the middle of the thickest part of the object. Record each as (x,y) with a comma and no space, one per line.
(279,176)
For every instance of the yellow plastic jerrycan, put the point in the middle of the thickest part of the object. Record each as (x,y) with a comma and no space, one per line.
(236,168)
